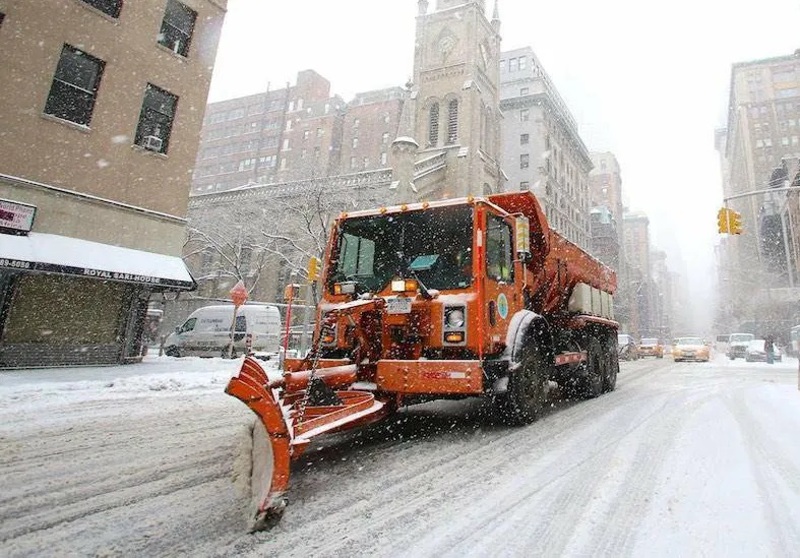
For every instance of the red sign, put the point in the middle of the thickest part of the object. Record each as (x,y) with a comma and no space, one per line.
(16,217)
(239,294)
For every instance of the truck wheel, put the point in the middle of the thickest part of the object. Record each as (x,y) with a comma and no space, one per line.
(527,384)
(172,351)
(592,384)
(611,366)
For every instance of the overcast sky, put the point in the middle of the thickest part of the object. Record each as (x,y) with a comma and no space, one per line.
(645,80)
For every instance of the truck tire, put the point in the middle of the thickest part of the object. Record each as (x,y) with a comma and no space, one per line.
(523,401)
(611,366)
(527,387)
(172,351)
(592,383)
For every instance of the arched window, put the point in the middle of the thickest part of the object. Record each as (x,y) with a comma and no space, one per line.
(452,121)
(433,125)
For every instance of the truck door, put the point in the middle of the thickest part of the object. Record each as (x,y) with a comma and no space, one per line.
(500,293)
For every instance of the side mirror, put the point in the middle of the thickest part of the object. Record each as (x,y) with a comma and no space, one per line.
(177,329)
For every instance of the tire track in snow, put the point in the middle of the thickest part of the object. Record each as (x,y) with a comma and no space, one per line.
(773,471)
(627,507)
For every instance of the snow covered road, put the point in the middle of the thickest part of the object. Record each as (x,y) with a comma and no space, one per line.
(683,459)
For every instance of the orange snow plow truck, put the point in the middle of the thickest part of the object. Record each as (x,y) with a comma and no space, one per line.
(454,298)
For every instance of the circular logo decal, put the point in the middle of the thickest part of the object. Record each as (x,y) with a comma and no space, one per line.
(502,305)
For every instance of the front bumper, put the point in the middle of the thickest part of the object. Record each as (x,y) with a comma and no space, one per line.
(425,377)
(697,357)
(650,351)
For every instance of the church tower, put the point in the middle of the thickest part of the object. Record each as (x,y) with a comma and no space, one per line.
(456,100)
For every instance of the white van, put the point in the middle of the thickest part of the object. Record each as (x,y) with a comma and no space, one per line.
(207,331)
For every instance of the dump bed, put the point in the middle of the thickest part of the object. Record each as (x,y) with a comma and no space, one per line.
(557,264)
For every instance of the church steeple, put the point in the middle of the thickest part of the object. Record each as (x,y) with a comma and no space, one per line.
(456,77)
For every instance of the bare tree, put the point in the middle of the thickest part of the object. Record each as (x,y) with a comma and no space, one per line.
(302,228)
(225,245)
(262,242)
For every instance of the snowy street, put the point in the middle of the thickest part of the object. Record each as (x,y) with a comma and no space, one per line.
(682,459)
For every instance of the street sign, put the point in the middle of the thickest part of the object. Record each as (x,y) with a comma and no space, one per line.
(239,294)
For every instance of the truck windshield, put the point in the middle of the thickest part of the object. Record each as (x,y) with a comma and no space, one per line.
(372,250)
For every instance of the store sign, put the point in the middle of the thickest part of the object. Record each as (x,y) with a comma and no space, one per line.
(15,217)
(23,265)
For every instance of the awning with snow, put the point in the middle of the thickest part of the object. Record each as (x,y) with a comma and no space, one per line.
(52,253)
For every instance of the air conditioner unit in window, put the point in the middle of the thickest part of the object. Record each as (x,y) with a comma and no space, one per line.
(152,143)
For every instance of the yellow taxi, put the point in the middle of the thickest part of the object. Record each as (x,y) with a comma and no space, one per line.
(650,346)
(690,348)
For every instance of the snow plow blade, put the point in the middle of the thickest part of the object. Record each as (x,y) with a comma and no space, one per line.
(289,423)
(252,388)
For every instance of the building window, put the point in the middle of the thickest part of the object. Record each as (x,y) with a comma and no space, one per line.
(246,164)
(452,122)
(513,64)
(524,139)
(156,119)
(385,138)
(524,115)
(524,161)
(355,143)
(352,162)
(386,118)
(524,185)
(306,134)
(385,158)
(316,152)
(108,7)
(303,153)
(177,27)
(356,122)
(523,62)
(433,125)
(320,132)
(286,145)
(74,88)
(366,162)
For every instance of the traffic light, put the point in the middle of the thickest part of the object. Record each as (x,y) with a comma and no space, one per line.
(723,222)
(734,222)
(313,269)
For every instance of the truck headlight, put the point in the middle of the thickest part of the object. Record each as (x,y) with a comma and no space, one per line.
(454,317)
(454,326)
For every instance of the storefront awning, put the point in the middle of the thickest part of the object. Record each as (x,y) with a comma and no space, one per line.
(52,253)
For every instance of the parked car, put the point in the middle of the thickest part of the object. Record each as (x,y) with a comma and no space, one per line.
(626,347)
(690,348)
(650,346)
(755,352)
(207,331)
(737,345)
